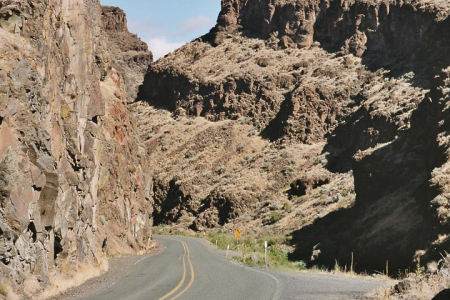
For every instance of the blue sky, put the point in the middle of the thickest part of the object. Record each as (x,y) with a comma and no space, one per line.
(165,25)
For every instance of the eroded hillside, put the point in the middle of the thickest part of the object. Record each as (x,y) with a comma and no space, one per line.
(322,119)
(71,169)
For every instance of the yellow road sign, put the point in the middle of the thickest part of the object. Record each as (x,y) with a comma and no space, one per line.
(238,233)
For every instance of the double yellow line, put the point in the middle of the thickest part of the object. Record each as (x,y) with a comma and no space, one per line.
(180,284)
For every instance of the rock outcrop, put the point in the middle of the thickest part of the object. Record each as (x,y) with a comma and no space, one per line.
(131,55)
(71,168)
(365,81)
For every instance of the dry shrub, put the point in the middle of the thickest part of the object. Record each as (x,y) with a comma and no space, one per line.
(418,285)
(7,168)
(4,288)
(9,172)
(7,292)
(31,285)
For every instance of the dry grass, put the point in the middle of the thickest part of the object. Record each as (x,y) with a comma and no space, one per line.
(7,292)
(13,45)
(8,171)
(416,285)
(62,281)
(31,285)
(4,288)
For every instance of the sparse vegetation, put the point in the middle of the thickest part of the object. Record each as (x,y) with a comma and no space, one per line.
(223,239)
(8,172)
(253,250)
(4,288)
(190,154)
(287,206)
(266,166)
(252,132)
(164,229)
(274,217)
(102,219)
(288,170)
(418,269)
(221,170)
(185,218)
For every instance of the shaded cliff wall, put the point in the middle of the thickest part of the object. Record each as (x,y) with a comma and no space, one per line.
(70,165)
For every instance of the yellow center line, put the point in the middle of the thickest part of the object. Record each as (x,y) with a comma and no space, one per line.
(192,274)
(182,279)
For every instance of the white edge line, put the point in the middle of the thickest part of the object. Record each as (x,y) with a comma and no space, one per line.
(139,260)
(276,295)
(105,288)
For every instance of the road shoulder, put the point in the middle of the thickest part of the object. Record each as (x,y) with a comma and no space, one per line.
(118,268)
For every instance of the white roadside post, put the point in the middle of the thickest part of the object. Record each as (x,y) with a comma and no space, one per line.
(216,244)
(228,248)
(265,251)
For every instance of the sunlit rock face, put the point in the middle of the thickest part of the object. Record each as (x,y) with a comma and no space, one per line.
(360,85)
(70,166)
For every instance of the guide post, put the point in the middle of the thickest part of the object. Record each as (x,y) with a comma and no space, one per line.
(265,252)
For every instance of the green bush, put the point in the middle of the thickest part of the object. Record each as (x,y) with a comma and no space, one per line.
(223,239)
(185,218)
(253,249)
(275,240)
(274,217)
(287,206)
(276,257)
(299,265)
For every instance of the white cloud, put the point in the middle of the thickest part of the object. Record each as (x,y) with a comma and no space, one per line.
(163,38)
(145,29)
(160,46)
(195,23)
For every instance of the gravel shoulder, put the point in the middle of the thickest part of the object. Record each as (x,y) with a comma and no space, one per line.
(324,286)
(118,268)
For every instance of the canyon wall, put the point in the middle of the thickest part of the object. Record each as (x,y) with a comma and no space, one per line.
(364,81)
(71,170)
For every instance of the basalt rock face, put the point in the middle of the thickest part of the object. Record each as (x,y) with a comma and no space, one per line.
(367,80)
(70,165)
(131,55)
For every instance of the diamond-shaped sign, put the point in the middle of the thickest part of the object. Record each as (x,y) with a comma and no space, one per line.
(238,233)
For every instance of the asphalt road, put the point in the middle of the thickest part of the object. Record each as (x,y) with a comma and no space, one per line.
(307,286)
(188,269)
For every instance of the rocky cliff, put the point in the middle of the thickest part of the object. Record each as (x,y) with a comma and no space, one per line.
(71,168)
(131,55)
(350,98)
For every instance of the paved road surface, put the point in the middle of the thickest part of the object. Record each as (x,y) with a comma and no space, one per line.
(187,269)
(323,287)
